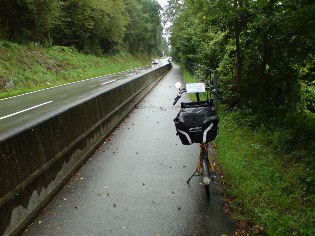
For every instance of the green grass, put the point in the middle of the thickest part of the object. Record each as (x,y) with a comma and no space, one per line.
(268,170)
(31,67)
(266,187)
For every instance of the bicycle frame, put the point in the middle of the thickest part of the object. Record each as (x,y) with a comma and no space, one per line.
(204,162)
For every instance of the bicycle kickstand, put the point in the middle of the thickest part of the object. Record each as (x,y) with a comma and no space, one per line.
(192,175)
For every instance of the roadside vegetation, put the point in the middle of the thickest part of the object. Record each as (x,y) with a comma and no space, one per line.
(268,171)
(264,52)
(58,41)
(98,27)
(267,166)
(25,68)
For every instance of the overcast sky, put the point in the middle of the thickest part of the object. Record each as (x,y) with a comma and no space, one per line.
(162,2)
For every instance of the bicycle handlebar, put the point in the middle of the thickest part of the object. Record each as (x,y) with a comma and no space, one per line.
(183,90)
(176,99)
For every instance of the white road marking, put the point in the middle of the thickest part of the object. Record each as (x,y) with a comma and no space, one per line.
(107,82)
(16,113)
(61,85)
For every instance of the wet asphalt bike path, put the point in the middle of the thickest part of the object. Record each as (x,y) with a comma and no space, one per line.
(135,183)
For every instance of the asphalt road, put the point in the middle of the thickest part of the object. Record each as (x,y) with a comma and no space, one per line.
(26,109)
(135,183)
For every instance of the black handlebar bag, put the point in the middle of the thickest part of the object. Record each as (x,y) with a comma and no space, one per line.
(196,122)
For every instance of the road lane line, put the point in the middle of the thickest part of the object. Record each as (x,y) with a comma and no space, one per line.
(107,82)
(16,113)
(80,81)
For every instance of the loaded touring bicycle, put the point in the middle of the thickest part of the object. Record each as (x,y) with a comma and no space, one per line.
(197,122)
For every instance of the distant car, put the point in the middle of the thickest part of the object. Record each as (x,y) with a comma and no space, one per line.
(155,62)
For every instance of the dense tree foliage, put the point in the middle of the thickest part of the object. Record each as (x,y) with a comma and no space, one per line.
(144,32)
(89,25)
(165,47)
(23,20)
(264,49)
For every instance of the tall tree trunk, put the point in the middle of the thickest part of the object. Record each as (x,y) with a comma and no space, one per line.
(266,59)
(237,30)
(266,56)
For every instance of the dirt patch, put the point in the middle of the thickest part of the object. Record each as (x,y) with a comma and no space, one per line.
(46,62)
(5,84)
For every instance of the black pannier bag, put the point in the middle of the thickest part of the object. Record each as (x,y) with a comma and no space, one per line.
(197,122)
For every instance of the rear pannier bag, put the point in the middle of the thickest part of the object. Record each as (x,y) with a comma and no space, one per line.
(197,122)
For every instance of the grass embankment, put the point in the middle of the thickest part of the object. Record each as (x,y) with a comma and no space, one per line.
(268,171)
(25,68)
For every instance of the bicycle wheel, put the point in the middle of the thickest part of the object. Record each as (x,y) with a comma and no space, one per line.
(205,171)
(207,188)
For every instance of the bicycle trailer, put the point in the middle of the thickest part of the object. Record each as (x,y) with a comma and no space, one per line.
(196,122)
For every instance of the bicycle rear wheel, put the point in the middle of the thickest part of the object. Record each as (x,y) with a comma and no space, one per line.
(207,188)
(205,171)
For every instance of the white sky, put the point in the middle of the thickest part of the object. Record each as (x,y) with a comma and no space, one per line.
(162,2)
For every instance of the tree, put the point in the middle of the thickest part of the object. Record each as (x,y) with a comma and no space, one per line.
(96,26)
(264,49)
(28,20)
(91,25)
(139,27)
(145,30)
(165,47)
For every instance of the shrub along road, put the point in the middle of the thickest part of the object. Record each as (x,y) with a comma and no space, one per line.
(135,183)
